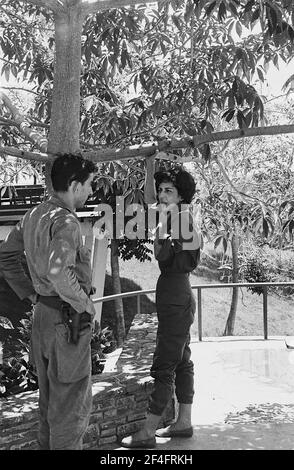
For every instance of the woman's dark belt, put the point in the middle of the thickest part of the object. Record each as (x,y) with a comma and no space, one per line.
(171,273)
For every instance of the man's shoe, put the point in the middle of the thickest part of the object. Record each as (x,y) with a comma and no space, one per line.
(168,432)
(132,443)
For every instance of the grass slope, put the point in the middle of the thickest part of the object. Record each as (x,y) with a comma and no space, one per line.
(216,303)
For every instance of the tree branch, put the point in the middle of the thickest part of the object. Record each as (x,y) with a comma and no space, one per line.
(39,140)
(10,122)
(229,181)
(9,179)
(101,5)
(168,145)
(20,89)
(32,156)
(54,5)
(239,133)
(226,177)
(13,15)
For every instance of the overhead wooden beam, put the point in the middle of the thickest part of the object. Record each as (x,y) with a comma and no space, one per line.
(167,145)
(33,156)
(135,151)
(239,133)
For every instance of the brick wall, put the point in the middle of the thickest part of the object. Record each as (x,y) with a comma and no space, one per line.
(120,397)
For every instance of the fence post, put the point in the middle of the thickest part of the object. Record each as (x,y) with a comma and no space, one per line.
(138,304)
(265,312)
(199,309)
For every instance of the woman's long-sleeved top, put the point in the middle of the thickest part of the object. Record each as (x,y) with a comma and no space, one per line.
(177,252)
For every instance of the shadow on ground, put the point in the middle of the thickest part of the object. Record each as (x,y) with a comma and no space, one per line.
(265,436)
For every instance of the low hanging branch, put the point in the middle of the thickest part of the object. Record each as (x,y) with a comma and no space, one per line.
(32,156)
(239,133)
(167,145)
(133,151)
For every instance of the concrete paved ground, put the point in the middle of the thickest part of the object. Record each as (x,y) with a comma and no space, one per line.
(244,396)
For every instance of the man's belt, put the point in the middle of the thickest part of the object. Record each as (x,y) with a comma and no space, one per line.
(74,321)
(50,301)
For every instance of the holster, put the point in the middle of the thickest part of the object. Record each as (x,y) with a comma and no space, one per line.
(74,321)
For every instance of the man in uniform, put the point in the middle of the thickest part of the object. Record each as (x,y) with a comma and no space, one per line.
(59,284)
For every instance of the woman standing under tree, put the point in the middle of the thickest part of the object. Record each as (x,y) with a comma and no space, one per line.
(177,250)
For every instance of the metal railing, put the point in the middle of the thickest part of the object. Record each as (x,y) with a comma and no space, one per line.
(200,287)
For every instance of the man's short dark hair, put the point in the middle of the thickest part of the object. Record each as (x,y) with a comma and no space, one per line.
(67,168)
(181,179)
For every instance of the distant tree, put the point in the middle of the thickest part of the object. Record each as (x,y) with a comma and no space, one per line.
(248,194)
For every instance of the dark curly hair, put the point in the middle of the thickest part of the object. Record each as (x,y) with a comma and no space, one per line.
(181,179)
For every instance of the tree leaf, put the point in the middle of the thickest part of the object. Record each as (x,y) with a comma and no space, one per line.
(222,11)
(238,28)
(230,115)
(260,74)
(265,228)
(210,8)
(241,119)
(248,6)
(217,241)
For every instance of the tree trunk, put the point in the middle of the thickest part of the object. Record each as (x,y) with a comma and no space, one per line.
(118,303)
(65,112)
(229,329)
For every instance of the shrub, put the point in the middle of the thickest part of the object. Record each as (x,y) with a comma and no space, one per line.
(254,269)
(266,264)
(17,374)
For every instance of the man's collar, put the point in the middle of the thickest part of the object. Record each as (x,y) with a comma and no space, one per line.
(57,201)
